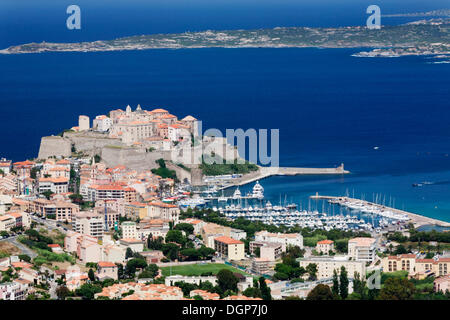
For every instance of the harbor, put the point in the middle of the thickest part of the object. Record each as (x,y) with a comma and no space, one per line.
(325,213)
(320,211)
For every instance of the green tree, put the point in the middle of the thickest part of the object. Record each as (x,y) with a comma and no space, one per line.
(25,258)
(265,290)
(175,236)
(133,264)
(335,287)
(128,253)
(120,271)
(91,275)
(88,290)
(206,252)
(252,292)
(33,172)
(400,249)
(47,194)
(170,250)
(341,245)
(150,271)
(397,289)
(190,254)
(186,227)
(62,292)
(311,269)
(320,292)
(155,244)
(226,280)
(358,285)
(76,198)
(185,287)
(343,283)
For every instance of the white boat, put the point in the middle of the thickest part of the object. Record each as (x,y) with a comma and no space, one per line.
(237,194)
(222,198)
(258,191)
(192,203)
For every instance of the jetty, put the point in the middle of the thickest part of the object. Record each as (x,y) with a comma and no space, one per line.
(416,219)
(265,172)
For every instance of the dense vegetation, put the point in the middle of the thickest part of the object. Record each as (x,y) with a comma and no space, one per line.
(420,236)
(220,167)
(163,171)
(39,243)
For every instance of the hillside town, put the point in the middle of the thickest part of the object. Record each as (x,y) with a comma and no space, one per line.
(72,227)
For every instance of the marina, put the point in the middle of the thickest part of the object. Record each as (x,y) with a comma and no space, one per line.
(325,213)
(321,212)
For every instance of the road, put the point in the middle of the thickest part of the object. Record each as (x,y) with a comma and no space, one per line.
(23,248)
(51,225)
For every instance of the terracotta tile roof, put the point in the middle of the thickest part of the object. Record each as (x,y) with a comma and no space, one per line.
(228,240)
(105,264)
(362,241)
(162,204)
(325,242)
(54,180)
(159,111)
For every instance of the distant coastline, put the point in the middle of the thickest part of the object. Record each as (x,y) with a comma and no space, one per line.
(424,37)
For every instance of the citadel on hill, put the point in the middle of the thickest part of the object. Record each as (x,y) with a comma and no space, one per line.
(138,138)
(142,127)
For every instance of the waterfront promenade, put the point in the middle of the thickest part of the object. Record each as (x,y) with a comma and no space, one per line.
(416,219)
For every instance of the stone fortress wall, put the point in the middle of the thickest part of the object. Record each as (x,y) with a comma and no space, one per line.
(113,152)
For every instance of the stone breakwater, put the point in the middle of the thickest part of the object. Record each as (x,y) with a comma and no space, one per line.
(265,172)
(416,219)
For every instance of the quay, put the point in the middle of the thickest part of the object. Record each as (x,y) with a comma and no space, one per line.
(265,172)
(416,219)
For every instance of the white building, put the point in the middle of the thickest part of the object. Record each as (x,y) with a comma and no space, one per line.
(55,185)
(327,265)
(102,123)
(238,234)
(13,291)
(178,132)
(88,223)
(5,166)
(288,239)
(171,280)
(7,222)
(83,123)
(129,230)
(362,249)
(325,246)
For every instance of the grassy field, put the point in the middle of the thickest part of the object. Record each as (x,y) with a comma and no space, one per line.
(198,269)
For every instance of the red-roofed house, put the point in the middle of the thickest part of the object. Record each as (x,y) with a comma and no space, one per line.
(229,248)
(107,270)
(325,246)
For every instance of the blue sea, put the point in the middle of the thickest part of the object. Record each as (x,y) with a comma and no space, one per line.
(330,107)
